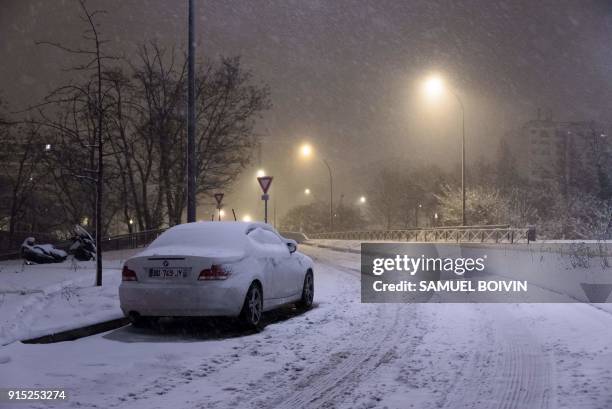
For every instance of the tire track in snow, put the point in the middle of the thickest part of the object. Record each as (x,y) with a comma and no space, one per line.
(509,369)
(327,386)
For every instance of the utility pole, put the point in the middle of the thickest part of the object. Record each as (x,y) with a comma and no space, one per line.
(331,197)
(191,154)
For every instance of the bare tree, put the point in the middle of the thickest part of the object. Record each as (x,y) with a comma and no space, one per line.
(19,168)
(89,103)
(160,84)
(228,103)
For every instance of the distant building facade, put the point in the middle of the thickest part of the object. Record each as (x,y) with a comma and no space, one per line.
(567,153)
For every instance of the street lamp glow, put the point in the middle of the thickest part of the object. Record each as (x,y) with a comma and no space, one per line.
(261,173)
(246,218)
(306,191)
(306,150)
(362,199)
(434,86)
(222,212)
(131,221)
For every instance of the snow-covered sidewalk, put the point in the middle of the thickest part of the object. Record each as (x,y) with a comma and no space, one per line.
(38,300)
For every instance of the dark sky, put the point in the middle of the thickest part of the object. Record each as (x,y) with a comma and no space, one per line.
(344,74)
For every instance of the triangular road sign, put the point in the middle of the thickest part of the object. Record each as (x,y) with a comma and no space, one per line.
(265,182)
(596,293)
(218,198)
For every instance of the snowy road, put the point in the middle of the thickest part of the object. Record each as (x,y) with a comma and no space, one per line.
(341,354)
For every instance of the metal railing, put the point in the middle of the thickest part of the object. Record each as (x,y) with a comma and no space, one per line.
(456,234)
(130,240)
(459,234)
(119,242)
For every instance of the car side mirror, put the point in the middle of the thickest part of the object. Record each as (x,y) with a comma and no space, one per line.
(292,246)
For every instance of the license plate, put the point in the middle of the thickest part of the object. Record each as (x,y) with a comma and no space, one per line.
(169,272)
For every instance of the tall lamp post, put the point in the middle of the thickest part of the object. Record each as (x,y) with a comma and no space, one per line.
(306,151)
(434,87)
(191,159)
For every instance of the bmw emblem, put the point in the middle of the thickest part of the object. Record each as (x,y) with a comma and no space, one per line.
(165,263)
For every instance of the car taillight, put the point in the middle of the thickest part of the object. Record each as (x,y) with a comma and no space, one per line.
(128,275)
(215,272)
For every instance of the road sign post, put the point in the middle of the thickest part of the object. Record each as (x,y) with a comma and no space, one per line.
(219,199)
(265,182)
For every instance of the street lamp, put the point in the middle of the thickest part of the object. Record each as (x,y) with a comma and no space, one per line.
(306,152)
(362,199)
(191,118)
(307,191)
(261,173)
(246,218)
(416,214)
(434,87)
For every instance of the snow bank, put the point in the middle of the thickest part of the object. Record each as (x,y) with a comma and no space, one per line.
(41,299)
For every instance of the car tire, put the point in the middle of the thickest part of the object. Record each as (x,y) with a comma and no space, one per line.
(251,315)
(307,292)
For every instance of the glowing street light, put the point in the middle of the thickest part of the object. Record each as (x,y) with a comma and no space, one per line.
(246,218)
(362,199)
(306,151)
(221,213)
(261,173)
(434,87)
(307,191)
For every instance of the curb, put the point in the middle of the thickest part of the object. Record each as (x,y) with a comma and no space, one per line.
(77,333)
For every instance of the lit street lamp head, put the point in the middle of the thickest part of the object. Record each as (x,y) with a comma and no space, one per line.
(434,86)
(362,199)
(306,150)
(306,191)
(261,173)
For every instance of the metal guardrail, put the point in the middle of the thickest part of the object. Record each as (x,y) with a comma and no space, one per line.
(463,234)
(456,234)
(120,242)
(130,240)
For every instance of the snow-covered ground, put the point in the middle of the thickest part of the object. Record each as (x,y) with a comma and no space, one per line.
(341,354)
(41,299)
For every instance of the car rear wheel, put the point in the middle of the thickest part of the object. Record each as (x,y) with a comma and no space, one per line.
(307,291)
(252,310)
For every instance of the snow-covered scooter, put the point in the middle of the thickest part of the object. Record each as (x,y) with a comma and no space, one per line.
(41,253)
(82,247)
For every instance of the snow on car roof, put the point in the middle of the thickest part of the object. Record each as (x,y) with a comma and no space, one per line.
(229,226)
(224,234)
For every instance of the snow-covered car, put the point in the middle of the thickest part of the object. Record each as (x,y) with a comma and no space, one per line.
(235,269)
